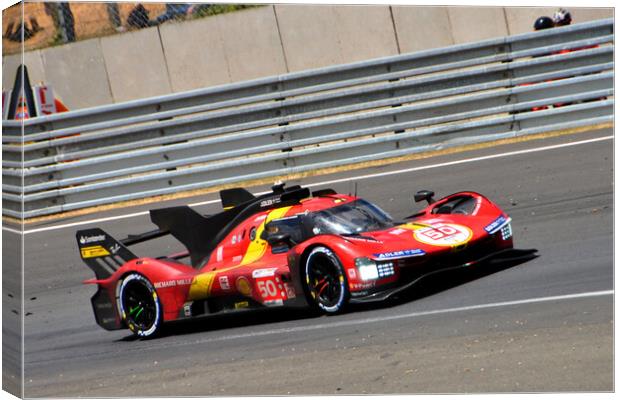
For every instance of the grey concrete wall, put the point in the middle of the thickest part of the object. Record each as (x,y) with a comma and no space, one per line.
(317,36)
(222,49)
(136,65)
(78,66)
(72,70)
(309,36)
(416,23)
(260,42)
(365,32)
(472,24)
(199,41)
(252,43)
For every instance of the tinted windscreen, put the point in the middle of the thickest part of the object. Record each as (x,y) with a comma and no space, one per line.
(351,218)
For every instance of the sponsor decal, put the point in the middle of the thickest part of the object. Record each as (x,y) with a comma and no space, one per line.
(270,288)
(219,253)
(290,291)
(443,234)
(224,284)
(390,255)
(397,231)
(165,284)
(260,218)
(359,286)
(172,282)
(261,273)
(91,239)
(94,251)
(242,304)
(115,248)
(351,272)
(236,238)
(243,286)
(237,259)
(270,202)
(496,225)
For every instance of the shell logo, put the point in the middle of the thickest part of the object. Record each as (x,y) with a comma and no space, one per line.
(243,286)
(443,234)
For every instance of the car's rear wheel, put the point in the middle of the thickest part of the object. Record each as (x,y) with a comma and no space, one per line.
(324,281)
(139,306)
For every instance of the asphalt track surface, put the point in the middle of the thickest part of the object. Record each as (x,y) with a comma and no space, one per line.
(543,325)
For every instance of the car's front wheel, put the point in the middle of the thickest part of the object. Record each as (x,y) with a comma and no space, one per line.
(139,306)
(324,281)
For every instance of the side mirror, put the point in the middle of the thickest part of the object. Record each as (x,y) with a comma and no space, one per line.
(424,195)
(279,238)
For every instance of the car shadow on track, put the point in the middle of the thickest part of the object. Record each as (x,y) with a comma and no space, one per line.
(239,319)
(426,287)
(440,282)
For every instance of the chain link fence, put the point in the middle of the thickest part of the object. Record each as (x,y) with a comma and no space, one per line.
(52,23)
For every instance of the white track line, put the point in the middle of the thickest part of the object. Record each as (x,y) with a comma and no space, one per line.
(329,182)
(401,316)
(6,228)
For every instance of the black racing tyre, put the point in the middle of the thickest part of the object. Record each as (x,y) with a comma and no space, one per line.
(324,280)
(139,306)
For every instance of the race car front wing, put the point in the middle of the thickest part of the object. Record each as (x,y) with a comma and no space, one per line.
(499,257)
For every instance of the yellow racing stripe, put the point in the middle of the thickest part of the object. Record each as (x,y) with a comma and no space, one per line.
(202,283)
(414,226)
(257,247)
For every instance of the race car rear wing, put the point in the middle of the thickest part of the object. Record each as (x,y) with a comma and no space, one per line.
(101,252)
(200,234)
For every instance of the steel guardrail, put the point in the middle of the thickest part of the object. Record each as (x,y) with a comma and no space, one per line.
(312,119)
(327,74)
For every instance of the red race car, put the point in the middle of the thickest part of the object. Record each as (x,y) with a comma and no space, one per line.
(287,248)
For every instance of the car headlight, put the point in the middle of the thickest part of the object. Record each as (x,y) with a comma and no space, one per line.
(370,269)
(367,268)
(506,232)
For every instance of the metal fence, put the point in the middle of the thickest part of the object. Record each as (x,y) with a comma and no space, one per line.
(506,87)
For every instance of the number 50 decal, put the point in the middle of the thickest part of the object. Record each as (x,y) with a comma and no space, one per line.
(267,289)
(270,288)
(443,234)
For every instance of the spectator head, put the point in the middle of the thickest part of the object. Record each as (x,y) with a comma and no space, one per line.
(562,17)
(543,23)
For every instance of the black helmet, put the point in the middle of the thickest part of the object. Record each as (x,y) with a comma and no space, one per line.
(543,23)
(562,17)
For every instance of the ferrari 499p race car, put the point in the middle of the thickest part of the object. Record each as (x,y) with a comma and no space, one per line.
(287,248)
